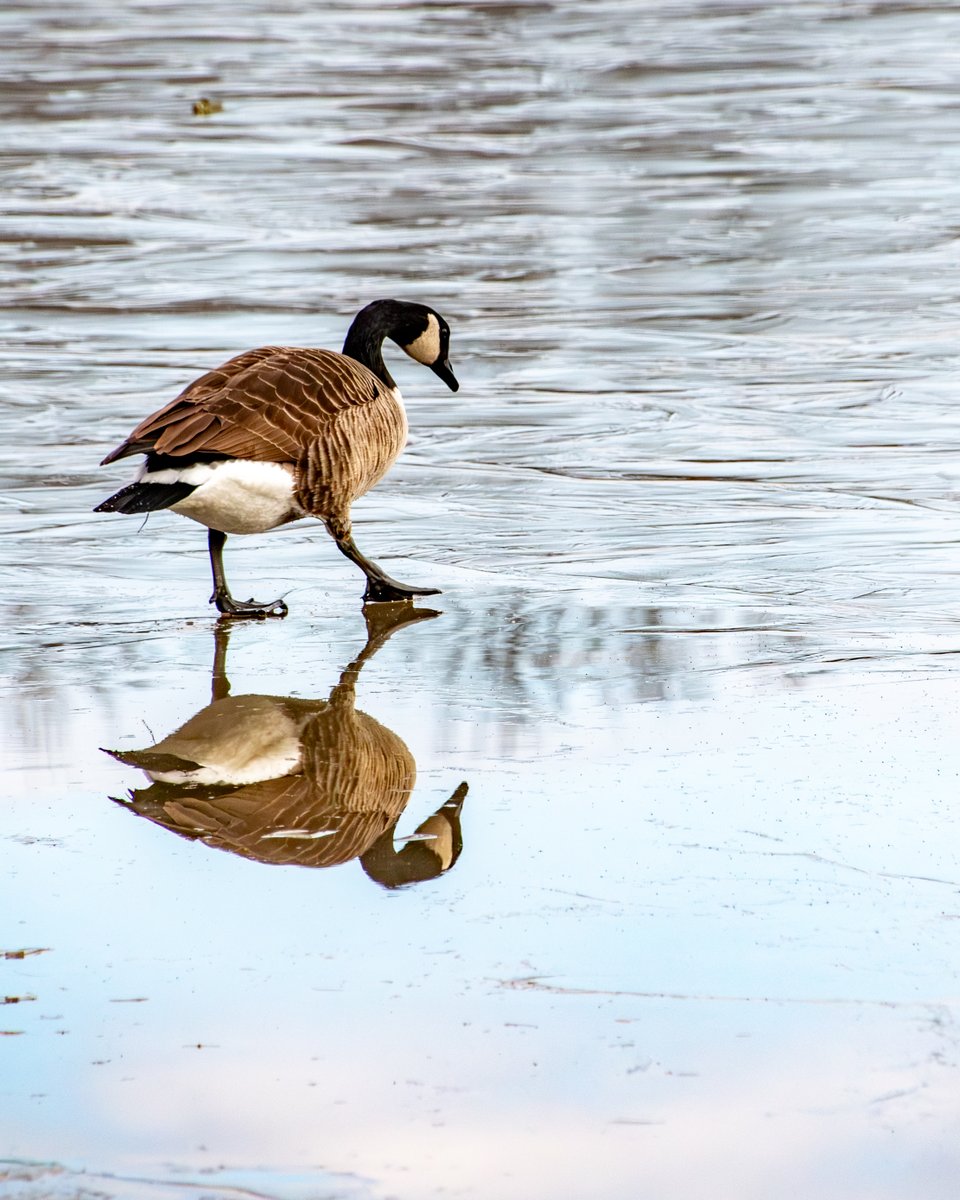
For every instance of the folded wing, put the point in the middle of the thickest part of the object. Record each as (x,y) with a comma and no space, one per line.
(266,405)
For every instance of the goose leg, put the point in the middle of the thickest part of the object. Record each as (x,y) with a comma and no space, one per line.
(221,593)
(380,587)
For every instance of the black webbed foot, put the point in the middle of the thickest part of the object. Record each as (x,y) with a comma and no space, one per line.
(249,609)
(381,589)
(226,605)
(384,590)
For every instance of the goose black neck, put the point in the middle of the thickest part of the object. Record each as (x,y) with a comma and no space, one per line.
(364,340)
(396,319)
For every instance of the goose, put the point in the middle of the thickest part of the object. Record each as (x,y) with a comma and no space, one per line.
(290,781)
(280,433)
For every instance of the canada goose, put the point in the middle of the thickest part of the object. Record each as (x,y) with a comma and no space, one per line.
(280,433)
(288,781)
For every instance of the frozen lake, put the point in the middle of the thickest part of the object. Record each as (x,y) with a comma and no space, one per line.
(692,928)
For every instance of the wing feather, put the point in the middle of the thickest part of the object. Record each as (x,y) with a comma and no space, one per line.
(267,404)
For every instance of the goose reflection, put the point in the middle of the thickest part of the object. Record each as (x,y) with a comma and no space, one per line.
(311,783)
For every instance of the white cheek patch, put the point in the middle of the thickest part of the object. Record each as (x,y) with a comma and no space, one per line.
(437,833)
(426,349)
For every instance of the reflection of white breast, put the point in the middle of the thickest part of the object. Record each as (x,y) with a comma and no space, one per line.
(238,740)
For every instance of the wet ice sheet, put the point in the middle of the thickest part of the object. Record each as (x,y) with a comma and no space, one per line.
(694,515)
(673,922)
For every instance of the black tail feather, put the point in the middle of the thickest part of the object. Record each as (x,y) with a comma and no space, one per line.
(146,497)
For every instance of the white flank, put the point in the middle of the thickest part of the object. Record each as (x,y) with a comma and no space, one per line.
(234,496)
(196,473)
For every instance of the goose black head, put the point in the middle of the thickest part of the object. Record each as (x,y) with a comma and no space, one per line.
(425,336)
(417,329)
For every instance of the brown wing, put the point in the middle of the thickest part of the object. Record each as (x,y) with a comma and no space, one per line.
(267,404)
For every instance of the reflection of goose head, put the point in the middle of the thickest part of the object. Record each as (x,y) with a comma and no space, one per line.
(288,781)
(431,850)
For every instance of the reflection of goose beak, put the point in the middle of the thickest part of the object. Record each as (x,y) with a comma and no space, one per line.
(442,368)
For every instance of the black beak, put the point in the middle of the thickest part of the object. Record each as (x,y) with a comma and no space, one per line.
(442,368)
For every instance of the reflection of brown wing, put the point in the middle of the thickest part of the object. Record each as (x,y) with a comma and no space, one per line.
(276,822)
